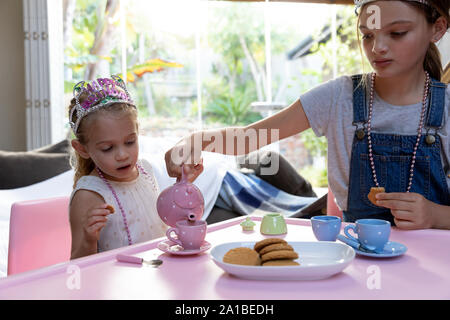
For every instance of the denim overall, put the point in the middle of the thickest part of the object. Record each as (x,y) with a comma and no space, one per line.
(392,158)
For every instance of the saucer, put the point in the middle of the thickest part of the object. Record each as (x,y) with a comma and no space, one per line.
(171,247)
(391,249)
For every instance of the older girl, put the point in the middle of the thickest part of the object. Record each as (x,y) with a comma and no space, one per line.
(386,129)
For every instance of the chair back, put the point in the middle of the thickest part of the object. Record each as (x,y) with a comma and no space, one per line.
(39,234)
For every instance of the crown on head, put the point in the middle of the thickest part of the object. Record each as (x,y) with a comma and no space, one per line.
(360,3)
(100,93)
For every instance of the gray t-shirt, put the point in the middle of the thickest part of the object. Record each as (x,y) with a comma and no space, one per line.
(329,109)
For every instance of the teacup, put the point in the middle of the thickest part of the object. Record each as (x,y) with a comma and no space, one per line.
(191,234)
(273,224)
(373,234)
(326,228)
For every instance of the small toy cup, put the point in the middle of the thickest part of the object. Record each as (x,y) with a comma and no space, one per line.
(373,234)
(326,228)
(191,234)
(273,224)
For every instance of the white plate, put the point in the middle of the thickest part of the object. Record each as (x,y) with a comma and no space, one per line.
(318,260)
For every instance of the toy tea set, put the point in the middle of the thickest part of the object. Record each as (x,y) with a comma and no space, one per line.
(181,207)
(372,235)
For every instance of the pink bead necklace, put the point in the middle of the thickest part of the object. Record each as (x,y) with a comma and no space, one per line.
(419,130)
(130,242)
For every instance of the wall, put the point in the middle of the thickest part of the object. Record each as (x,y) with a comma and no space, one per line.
(12,78)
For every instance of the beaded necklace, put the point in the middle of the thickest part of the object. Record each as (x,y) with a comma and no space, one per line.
(419,130)
(130,242)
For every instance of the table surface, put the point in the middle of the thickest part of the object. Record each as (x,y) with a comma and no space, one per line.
(421,273)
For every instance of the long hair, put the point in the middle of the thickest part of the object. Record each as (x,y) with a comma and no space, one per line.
(82,166)
(432,62)
(440,8)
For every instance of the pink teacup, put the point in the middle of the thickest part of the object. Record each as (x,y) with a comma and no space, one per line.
(191,234)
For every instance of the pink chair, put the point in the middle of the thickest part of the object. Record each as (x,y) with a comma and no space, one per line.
(332,208)
(39,234)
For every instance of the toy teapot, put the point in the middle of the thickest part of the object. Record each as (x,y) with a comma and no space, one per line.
(182,201)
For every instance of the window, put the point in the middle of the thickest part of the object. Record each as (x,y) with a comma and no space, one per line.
(202,64)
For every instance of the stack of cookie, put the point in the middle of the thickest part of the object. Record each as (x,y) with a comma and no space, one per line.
(267,252)
(276,252)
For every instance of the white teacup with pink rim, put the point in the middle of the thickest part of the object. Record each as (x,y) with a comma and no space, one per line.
(191,234)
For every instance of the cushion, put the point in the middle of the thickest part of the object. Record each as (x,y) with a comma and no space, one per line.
(20,169)
(60,147)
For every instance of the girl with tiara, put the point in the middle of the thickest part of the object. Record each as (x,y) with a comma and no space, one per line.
(388,131)
(113,203)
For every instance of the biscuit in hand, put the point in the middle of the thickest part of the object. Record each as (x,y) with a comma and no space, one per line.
(110,208)
(373,193)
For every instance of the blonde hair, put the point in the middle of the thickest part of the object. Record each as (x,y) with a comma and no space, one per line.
(432,62)
(81,165)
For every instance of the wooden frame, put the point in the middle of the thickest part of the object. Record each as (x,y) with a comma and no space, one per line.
(348,2)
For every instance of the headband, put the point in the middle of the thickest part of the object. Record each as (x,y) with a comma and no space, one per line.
(101,93)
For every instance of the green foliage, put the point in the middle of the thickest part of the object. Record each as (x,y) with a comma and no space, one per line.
(349,61)
(349,58)
(317,177)
(317,146)
(232,109)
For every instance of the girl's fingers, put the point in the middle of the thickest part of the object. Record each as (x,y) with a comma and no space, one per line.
(405,224)
(402,215)
(398,196)
(94,219)
(96,227)
(100,212)
(396,204)
(195,172)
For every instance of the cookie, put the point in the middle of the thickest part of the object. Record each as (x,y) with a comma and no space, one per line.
(242,256)
(276,246)
(261,244)
(279,255)
(110,208)
(279,263)
(373,192)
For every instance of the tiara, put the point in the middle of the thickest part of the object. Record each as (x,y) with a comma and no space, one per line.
(360,3)
(101,93)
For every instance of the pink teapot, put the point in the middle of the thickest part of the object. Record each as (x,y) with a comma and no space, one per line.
(182,201)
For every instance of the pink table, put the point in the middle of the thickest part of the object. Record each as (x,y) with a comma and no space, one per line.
(422,273)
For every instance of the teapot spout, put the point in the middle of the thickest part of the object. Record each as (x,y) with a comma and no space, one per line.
(191,217)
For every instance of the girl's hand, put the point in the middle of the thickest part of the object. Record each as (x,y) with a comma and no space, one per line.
(410,210)
(95,221)
(188,153)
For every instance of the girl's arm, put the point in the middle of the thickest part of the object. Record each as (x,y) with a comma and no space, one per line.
(88,215)
(288,122)
(236,140)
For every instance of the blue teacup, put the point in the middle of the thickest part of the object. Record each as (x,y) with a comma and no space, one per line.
(373,234)
(326,228)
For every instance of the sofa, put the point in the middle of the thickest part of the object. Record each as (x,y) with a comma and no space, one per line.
(20,169)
